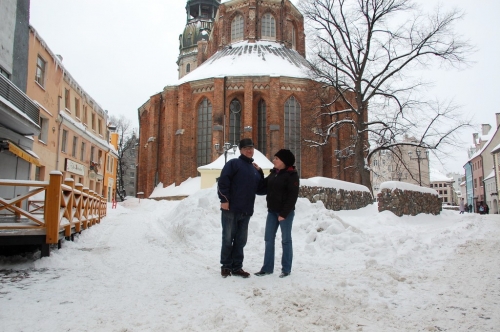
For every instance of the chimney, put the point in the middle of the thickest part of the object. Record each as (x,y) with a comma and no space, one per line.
(485,129)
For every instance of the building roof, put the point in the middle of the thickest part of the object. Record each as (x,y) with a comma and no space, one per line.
(262,58)
(437,176)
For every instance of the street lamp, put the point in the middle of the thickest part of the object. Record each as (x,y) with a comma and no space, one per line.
(226,148)
(418,160)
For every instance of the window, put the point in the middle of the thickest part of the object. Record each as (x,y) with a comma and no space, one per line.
(77,108)
(44,130)
(99,126)
(294,38)
(4,73)
(237,28)
(85,115)
(268,26)
(99,155)
(92,152)
(234,121)
(292,129)
(188,68)
(64,140)
(82,152)
(375,163)
(262,123)
(109,164)
(93,121)
(75,144)
(40,71)
(204,133)
(66,99)
(37,173)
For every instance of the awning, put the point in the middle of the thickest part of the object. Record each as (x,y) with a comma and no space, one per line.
(23,154)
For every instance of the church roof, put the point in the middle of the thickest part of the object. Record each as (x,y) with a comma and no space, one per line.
(262,58)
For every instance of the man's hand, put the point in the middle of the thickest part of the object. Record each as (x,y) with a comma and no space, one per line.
(224,206)
(256,166)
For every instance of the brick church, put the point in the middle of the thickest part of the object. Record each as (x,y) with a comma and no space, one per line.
(242,73)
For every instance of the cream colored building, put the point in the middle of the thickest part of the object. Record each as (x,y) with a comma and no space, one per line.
(410,164)
(74,136)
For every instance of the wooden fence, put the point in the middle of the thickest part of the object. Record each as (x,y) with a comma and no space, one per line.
(65,210)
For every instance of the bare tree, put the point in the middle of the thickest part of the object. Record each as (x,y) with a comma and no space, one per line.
(126,142)
(367,53)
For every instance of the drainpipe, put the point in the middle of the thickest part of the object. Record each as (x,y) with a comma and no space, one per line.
(224,118)
(157,180)
(60,121)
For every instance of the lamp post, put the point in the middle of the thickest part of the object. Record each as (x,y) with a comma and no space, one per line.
(226,148)
(418,152)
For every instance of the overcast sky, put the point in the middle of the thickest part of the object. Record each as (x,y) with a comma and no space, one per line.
(122,52)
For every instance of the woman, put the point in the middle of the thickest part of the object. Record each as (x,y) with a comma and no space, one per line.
(282,187)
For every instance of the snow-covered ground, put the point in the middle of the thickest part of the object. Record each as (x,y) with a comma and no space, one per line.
(154,266)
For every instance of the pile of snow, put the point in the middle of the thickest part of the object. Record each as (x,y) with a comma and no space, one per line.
(154,266)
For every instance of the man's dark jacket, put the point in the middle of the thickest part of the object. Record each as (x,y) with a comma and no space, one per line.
(238,184)
(282,187)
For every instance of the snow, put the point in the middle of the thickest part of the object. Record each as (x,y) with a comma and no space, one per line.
(154,266)
(262,58)
(437,176)
(406,186)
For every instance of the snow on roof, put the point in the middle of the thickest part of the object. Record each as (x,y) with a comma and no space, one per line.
(262,58)
(406,186)
(258,158)
(437,176)
(491,175)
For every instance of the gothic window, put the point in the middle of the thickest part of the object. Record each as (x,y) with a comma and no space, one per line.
(261,130)
(268,26)
(188,68)
(237,28)
(204,150)
(234,121)
(292,129)
(294,38)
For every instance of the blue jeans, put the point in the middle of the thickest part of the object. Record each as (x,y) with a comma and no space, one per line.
(234,239)
(272,225)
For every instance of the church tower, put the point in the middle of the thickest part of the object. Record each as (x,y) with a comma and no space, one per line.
(199,23)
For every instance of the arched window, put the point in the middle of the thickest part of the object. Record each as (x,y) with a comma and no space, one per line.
(204,149)
(261,130)
(294,38)
(237,28)
(292,129)
(268,27)
(188,68)
(234,121)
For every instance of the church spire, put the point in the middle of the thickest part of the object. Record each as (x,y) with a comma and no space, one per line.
(201,9)
(199,23)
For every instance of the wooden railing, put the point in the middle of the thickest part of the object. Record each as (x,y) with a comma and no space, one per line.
(66,208)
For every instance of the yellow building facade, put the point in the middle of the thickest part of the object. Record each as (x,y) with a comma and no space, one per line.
(74,137)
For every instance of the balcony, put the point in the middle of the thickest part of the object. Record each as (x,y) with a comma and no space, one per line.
(17,111)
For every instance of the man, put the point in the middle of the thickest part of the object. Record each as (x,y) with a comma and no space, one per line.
(238,183)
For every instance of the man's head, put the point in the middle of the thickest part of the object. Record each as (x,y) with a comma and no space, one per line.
(246,147)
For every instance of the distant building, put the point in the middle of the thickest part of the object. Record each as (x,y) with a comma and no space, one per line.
(129,164)
(410,164)
(481,163)
(444,187)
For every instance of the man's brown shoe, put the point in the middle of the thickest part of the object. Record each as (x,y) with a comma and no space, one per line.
(241,273)
(225,272)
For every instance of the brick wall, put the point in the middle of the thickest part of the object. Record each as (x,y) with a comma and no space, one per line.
(407,202)
(336,199)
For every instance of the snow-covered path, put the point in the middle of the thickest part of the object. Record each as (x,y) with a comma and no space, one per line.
(153,266)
